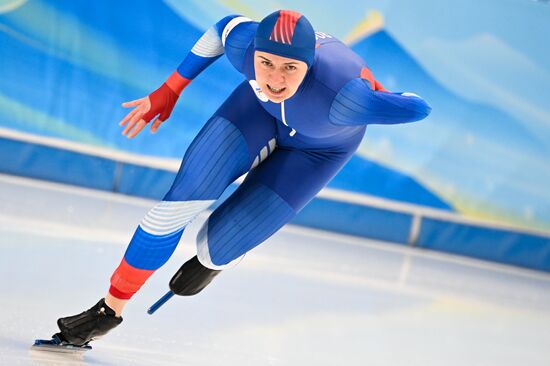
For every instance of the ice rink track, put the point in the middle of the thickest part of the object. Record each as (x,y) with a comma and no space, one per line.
(305,297)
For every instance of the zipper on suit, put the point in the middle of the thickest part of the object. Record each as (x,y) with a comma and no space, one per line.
(293,132)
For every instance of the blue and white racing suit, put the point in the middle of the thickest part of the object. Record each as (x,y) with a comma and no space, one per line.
(291,150)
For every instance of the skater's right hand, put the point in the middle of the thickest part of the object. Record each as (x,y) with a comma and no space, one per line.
(161,101)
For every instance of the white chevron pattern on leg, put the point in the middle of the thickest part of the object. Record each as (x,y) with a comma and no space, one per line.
(170,216)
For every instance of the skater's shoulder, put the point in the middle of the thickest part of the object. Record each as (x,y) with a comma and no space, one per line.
(238,38)
(335,63)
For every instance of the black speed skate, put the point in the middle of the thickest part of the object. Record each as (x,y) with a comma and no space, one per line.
(79,330)
(88,325)
(189,280)
(192,278)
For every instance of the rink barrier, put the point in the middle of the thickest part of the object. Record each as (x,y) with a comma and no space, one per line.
(335,210)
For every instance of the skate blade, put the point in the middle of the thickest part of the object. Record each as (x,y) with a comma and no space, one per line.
(52,345)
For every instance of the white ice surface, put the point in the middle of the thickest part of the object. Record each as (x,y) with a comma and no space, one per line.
(304,297)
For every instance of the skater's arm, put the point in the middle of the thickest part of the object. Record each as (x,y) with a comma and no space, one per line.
(206,50)
(365,101)
(217,41)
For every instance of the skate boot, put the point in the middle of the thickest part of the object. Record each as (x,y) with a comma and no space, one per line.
(189,280)
(192,278)
(89,325)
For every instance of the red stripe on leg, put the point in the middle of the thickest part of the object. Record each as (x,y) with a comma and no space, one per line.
(127,280)
(119,294)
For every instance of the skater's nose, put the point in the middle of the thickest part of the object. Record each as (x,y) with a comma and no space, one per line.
(276,78)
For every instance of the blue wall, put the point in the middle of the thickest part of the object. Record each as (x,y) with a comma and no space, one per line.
(385,224)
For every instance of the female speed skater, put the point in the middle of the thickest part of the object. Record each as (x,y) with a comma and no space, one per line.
(291,125)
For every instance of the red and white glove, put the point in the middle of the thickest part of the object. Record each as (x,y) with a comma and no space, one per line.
(164,98)
(159,103)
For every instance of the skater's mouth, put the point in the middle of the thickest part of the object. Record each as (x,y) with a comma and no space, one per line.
(276,91)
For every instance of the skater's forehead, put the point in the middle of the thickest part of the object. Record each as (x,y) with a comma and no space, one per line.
(276,59)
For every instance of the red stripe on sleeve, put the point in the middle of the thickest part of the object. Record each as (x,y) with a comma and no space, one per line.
(374,84)
(367,75)
(177,83)
(379,87)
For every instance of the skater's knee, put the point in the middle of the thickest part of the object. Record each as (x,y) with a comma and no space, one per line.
(169,217)
(212,259)
(245,220)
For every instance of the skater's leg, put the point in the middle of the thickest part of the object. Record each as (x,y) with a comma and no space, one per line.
(115,303)
(270,196)
(226,148)
(238,136)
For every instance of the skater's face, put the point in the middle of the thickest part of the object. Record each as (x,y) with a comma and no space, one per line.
(278,77)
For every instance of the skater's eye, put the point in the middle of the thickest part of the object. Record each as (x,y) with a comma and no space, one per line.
(267,63)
